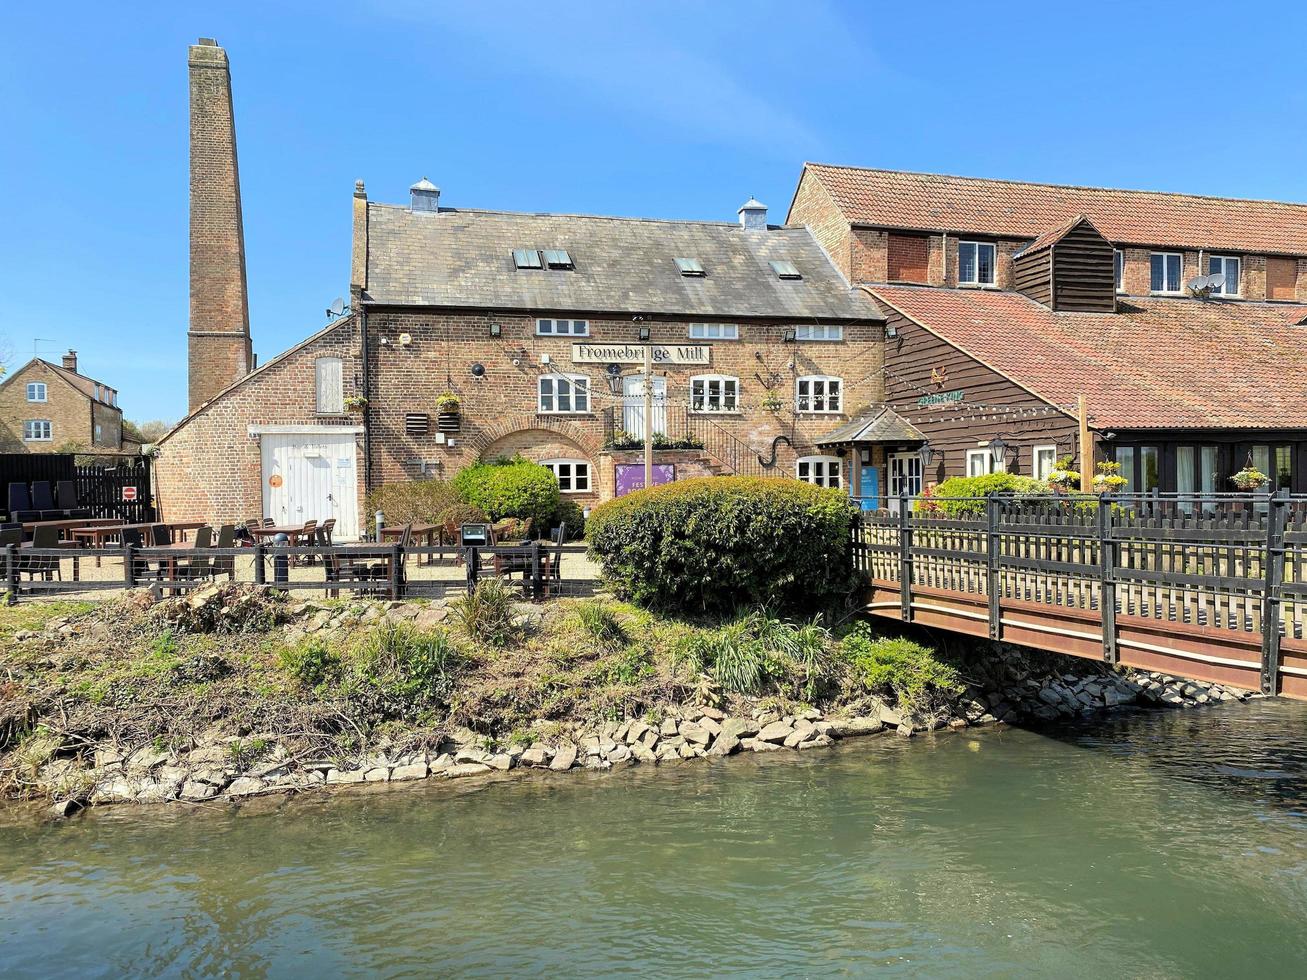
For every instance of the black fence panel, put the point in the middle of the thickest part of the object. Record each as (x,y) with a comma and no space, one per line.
(123,490)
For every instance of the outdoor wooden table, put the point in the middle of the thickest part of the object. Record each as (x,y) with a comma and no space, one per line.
(181,527)
(67,524)
(431,535)
(169,561)
(290,530)
(99,535)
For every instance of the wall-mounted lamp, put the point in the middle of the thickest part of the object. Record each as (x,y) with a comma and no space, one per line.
(891,331)
(644,333)
(495,330)
(998,448)
(478,370)
(927,454)
(787,335)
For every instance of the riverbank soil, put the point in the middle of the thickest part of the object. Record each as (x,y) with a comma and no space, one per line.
(236,691)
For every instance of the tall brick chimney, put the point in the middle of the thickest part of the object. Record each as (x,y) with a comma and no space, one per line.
(219,337)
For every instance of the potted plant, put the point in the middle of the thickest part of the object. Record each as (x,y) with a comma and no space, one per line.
(771,403)
(1108,479)
(1250,479)
(355,404)
(447,412)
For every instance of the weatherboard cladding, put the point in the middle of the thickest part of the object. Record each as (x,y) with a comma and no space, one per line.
(461,258)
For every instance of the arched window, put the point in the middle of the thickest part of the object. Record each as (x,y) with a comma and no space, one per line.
(573,474)
(714,393)
(824,471)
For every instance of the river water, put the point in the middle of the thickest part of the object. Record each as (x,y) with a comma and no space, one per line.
(1151,844)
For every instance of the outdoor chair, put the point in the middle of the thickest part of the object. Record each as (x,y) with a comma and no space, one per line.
(160,535)
(11,535)
(269,522)
(343,570)
(200,566)
(47,566)
(555,576)
(328,528)
(303,538)
(225,564)
(20,504)
(43,501)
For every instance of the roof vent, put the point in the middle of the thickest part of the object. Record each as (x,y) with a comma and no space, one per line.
(425,196)
(753,215)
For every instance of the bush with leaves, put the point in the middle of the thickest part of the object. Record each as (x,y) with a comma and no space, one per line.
(964,496)
(918,680)
(717,543)
(513,487)
(417,501)
(569,512)
(486,614)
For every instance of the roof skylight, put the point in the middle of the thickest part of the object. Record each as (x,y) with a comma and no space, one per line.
(784,270)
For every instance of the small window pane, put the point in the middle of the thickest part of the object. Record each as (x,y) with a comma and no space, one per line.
(526,258)
(967,262)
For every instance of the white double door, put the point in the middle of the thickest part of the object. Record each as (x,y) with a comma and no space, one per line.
(633,405)
(904,477)
(311,476)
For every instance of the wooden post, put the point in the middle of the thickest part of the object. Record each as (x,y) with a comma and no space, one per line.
(1275,522)
(260,571)
(905,558)
(648,416)
(396,566)
(129,566)
(537,582)
(991,566)
(1086,449)
(1106,581)
(11,574)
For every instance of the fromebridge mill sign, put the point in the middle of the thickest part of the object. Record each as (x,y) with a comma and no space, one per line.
(635,353)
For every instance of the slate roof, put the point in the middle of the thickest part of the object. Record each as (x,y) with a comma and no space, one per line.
(880,425)
(1015,209)
(457,257)
(1157,363)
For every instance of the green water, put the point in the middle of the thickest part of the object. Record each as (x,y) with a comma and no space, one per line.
(1153,845)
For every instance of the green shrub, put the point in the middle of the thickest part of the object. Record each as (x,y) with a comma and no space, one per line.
(486,614)
(716,543)
(311,663)
(919,681)
(418,501)
(457,515)
(513,487)
(408,669)
(980,487)
(569,512)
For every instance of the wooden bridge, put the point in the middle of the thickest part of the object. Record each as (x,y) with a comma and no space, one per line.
(1212,588)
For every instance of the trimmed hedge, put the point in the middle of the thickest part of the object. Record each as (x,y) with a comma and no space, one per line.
(418,501)
(716,544)
(513,487)
(979,486)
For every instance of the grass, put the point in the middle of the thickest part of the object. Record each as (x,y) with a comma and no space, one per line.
(487,613)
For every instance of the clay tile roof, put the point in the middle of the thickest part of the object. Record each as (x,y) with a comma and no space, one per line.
(1159,363)
(1054,235)
(1008,208)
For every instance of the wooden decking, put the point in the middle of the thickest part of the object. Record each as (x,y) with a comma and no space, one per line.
(1214,590)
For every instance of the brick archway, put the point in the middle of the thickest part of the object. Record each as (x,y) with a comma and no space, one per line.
(589,443)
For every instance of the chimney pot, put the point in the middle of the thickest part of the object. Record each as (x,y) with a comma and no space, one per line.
(753,215)
(425,196)
(70,360)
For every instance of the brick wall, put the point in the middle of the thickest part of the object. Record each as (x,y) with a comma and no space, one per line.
(110,421)
(67,409)
(499,408)
(209,468)
(219,341)
(814,208)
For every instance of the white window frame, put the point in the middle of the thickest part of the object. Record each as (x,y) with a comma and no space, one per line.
(569,472)
(552,329)
(37,388)
(1049,448)
(820,332)
(993,264)
(714,331)
(323,401)
(49,430)
(812,381)
(578,384)
(821,471)
(703,402)
(1118,269)
(1224,261)
(1179,279)
(988,464)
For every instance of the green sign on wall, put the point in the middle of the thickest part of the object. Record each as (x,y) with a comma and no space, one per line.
(942,398)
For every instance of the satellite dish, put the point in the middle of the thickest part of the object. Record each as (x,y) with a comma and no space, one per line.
(337,307)
(1216,281)
(1198,283)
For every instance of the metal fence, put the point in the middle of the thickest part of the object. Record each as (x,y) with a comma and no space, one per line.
(539,571)
(1205,564)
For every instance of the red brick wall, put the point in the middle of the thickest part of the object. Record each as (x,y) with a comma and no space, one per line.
(814,208)
(209,467)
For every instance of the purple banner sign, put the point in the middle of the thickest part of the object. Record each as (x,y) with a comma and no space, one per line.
(630,476)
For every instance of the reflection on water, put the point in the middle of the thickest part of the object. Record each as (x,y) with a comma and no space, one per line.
(1162,844)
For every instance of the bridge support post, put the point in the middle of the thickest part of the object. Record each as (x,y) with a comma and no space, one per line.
(991,567)
(1106,580)
(905,558)
(1276,514)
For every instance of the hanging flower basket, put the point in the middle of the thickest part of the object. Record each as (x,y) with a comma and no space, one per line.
(355,404)
(1249,479)
(448,407)
(771,403)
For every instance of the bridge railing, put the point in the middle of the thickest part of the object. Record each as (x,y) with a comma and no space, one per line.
(1236,564)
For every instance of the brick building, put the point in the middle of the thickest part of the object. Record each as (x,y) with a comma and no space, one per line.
(1179,320)
(47,408)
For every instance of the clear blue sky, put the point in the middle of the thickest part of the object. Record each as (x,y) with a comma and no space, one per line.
(663,109)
